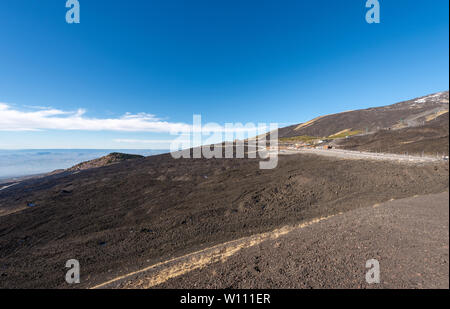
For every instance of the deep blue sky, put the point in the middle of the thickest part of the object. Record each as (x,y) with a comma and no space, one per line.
(228,60)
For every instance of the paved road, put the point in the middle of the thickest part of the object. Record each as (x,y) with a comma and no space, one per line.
(409,238)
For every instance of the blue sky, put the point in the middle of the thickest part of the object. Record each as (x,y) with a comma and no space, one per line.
(131,69)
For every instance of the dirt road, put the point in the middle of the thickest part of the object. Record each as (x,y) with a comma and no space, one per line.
(409,238)
(349,154)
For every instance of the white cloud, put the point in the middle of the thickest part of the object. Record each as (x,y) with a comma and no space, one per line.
(147,141)
(38,119)
(12,119)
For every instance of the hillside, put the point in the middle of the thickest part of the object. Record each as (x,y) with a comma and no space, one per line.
(409,113)
(431,139)
(418,126)
(112,158)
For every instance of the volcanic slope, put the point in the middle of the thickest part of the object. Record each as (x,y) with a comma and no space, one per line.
(411,113)
(430,139)
(124,217)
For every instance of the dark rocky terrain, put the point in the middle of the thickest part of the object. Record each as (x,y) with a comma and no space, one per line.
(112,158)
(129,215)
(408,237)
(430,139)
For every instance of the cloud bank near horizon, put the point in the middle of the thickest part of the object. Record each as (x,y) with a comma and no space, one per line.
(42,118)
(12,119)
